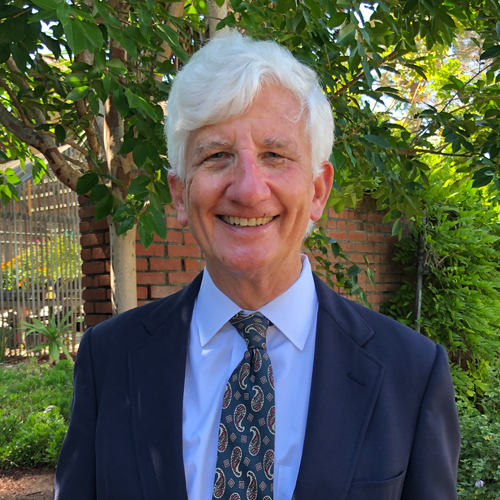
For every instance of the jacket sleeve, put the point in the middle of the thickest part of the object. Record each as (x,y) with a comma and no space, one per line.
(76,469)
(432,471)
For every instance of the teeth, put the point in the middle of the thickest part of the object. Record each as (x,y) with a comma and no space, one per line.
(242,222)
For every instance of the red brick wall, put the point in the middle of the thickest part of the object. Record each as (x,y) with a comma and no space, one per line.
(166,267)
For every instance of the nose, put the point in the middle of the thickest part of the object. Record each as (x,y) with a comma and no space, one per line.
(249,186)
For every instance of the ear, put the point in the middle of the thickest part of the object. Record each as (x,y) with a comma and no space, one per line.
(322,188)
(178,192)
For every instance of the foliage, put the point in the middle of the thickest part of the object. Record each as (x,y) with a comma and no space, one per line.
(29,268)
(461,285)
(72,59)
(480,452)
(6,334)
(35,404)
(55,332)
(336,275)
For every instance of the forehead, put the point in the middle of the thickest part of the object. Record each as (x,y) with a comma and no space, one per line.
(275,117)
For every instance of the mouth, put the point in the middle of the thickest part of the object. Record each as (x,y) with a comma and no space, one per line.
(242,222)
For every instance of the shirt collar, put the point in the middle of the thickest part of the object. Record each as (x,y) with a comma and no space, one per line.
(292,312)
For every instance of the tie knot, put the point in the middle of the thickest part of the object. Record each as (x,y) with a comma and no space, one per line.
(253,328)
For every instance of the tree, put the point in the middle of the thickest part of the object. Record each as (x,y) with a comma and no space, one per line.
(94,75)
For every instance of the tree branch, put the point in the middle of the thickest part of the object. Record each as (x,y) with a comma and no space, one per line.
(416,152)
(392,55)
(40,141)
(15,101)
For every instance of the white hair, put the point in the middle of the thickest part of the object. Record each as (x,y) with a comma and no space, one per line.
(222,79)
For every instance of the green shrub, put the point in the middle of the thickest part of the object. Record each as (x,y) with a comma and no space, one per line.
(35,404)
(480,453)
(461,285)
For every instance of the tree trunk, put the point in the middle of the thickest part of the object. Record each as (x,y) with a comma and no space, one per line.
(123,275)
(215,15)
(123,266)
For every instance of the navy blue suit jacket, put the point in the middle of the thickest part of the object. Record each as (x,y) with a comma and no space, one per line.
(382,423)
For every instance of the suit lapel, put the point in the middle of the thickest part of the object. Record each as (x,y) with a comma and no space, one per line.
(156,371)
(345,384)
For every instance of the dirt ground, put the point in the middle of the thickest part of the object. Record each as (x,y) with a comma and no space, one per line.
(26,484)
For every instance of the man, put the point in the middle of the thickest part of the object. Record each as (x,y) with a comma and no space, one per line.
(257,381)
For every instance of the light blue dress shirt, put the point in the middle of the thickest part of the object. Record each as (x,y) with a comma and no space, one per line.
(215,349)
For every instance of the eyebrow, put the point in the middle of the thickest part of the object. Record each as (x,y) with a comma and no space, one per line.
(276,142)
(203,147)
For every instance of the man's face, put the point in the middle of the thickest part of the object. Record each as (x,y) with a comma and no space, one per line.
(249,191)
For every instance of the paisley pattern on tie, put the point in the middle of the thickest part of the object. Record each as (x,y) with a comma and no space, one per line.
(245,459)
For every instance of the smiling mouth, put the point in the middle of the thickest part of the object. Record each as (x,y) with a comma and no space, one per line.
(242,222)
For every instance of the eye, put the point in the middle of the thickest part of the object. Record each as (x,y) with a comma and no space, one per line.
(271,154)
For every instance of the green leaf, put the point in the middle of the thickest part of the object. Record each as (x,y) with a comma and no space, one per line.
(129,144)
(337,159)
(78,93)
(158,222)
(98,193)
(163,192)
(75,35)
(346,34)
(86,182)
(379,141)
(483,177)
(60,133)
(104,207)
(116,66)
(491,53)
(126,225)
(93,35)
(396,228)
(156,203)
(146,231)
(139,186)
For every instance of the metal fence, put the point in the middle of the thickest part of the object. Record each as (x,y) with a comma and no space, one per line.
(40,262)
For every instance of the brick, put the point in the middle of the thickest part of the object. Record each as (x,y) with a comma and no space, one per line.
(173,223)
(376,216)
(107,266)
(86,212)
(360,226)
(165,264)
(189,238)
(351,226)
(87,281)
(106,237)
(84,226)
(83,199)
(86,254)
(93,268)
(141,264)
(158,292)
(104,280)
(88,307)
(142,292)
(337,235)
(143,302)
(183,278)
(364,247)
(369,228)
(100,253)
(169,209)
(87,240)
(391,239)
(95,319)
(149,278)
(376,238)
(174,237)
(99,224)
(341,224)
(183,251)
(356,236)
(94,294)
(193,265)
(103,308)
(331,224)
(153,250)
(158,239)
(108,294)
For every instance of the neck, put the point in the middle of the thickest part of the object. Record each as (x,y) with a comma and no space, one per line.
(253,290)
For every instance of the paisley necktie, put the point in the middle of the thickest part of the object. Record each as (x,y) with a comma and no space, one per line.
(245,459)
